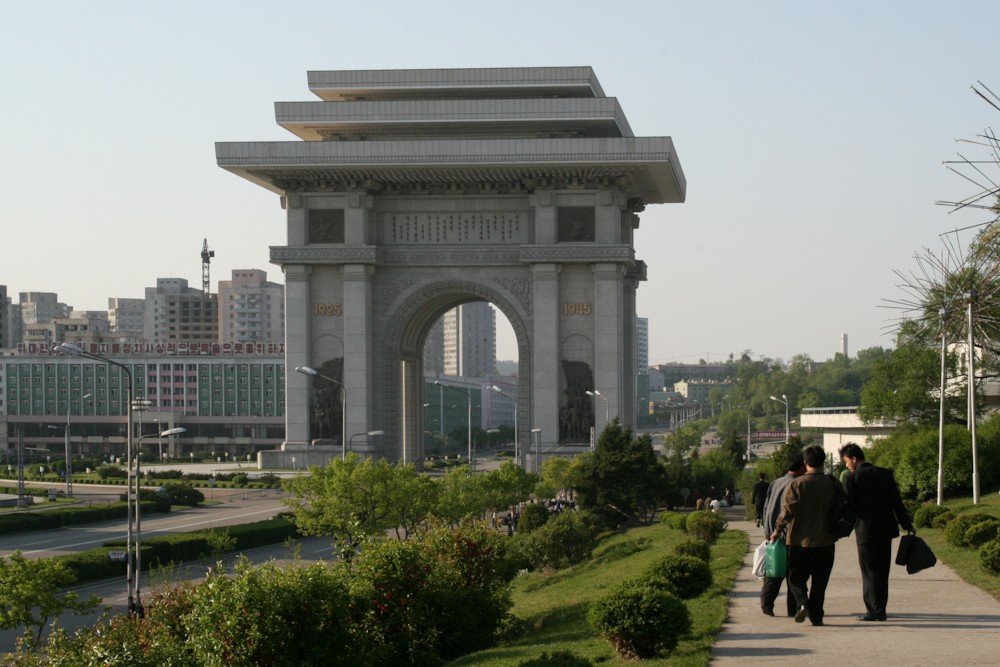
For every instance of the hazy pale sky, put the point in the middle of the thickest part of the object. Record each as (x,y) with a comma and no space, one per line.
(812,136)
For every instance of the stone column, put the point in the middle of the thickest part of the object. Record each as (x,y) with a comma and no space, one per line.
(297,336)
(608,349)
(546,389)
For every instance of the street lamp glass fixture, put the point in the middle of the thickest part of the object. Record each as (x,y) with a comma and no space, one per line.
(604,398)
(784,400)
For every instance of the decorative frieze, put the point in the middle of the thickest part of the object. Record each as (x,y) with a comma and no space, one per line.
(577,254)
(324,255)
(519,288)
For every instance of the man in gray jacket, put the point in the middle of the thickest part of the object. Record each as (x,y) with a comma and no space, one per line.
(772,508)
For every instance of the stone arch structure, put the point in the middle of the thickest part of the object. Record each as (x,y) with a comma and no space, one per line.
(414,191)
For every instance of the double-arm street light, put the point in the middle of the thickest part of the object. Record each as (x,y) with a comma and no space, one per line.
(312,372)
(74,351)
(134,486)
(69,452)
(366,433)
(784,399)
(604,398)
(517,451)
(468,396)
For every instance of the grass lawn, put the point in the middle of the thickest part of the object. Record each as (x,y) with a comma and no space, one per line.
(963,560)
(555,603)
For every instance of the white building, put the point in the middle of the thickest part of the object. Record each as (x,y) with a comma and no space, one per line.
(251,309)
(470,340)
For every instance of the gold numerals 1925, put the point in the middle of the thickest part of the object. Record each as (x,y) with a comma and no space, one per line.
(328,309)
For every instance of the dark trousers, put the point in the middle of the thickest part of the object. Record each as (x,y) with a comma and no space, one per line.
(875,559)
(769,593)
(812,565)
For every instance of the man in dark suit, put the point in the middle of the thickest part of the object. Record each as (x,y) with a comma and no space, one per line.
(759,497)
(875,495)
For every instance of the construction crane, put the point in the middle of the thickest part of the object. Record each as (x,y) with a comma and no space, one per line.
(206,258)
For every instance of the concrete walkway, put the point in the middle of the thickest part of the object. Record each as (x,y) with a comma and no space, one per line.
(935,618)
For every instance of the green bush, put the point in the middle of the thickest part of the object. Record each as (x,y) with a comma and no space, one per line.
(533,516)
(111,472)
(690,576)
(942,519)
(557,659)
(989,556)
(982,532)
(697,548)
(705,525)
(563,540)
(674,520)
(955,531)
(183,494)
(240,480)
(640,621)
(924,517)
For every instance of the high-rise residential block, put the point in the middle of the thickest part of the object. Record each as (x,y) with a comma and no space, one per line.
(176,313)
(470,340)
(251,309)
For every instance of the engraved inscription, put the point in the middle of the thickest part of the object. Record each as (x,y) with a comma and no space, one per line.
(326,226)
(417,228)
(577,309)
(328,309)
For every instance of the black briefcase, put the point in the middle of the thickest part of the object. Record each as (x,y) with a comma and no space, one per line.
(914,553)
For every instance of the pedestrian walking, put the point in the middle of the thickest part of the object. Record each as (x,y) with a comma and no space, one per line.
(805,520)
(759,497)
(875,495)
(771,509)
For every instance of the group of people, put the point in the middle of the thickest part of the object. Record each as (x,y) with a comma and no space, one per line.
(797,509)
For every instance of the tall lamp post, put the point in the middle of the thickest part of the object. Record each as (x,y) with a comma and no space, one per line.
(537,434)
(468,396)
(312,372)
(138,525)
(74,351)
(517,451)
(784,399)
(69,452)
(366,433)
(604,398)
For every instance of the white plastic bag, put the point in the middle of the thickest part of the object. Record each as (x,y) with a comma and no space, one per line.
(759,557)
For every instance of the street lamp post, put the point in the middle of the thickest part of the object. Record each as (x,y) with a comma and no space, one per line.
(537,433)
(365,433)
(306,370)
(74,351)
(468,417)
(604,398)
(517,449)
(69,452)
(138,525)
(784,399)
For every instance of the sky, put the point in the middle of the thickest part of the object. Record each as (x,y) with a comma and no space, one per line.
(812,137)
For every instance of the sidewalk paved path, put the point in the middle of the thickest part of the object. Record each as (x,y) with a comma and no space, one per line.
(935,618)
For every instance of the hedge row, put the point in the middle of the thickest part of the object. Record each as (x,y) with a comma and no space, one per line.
(17,522)
(95,564)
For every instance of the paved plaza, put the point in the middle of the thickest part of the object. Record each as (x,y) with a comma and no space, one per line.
(935,618)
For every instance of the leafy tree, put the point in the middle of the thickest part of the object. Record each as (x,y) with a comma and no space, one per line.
(556,476)
(621,479)
(461,495)
(714,469)
(29,594)
(348,499)
(506,486)
(413,498)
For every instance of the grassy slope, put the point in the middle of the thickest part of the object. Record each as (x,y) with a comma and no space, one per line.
(964,561)
(556,603)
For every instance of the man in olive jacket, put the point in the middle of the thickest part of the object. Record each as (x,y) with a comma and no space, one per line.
(774,501)
(875,495)
(805,518)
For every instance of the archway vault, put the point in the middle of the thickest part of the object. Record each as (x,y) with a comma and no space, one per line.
(409,319)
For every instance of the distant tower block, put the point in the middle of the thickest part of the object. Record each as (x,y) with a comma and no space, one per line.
(843,345)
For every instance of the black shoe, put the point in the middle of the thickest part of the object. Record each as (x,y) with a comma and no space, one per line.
(801,614)
(817,622)
(868,618)
(767,610)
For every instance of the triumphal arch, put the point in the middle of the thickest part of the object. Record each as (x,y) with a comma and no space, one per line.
(409,192)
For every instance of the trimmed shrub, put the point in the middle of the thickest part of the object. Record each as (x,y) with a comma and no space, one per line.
(111,472)
(705,525)
(675,520)
(557,659)
(982,532)
(690,576)
(565,539)
(696,548)
(640,621)
(183,494)
(942,519)
(240,480)
(924,517)
(955,531)
(989,556)
(533,516)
